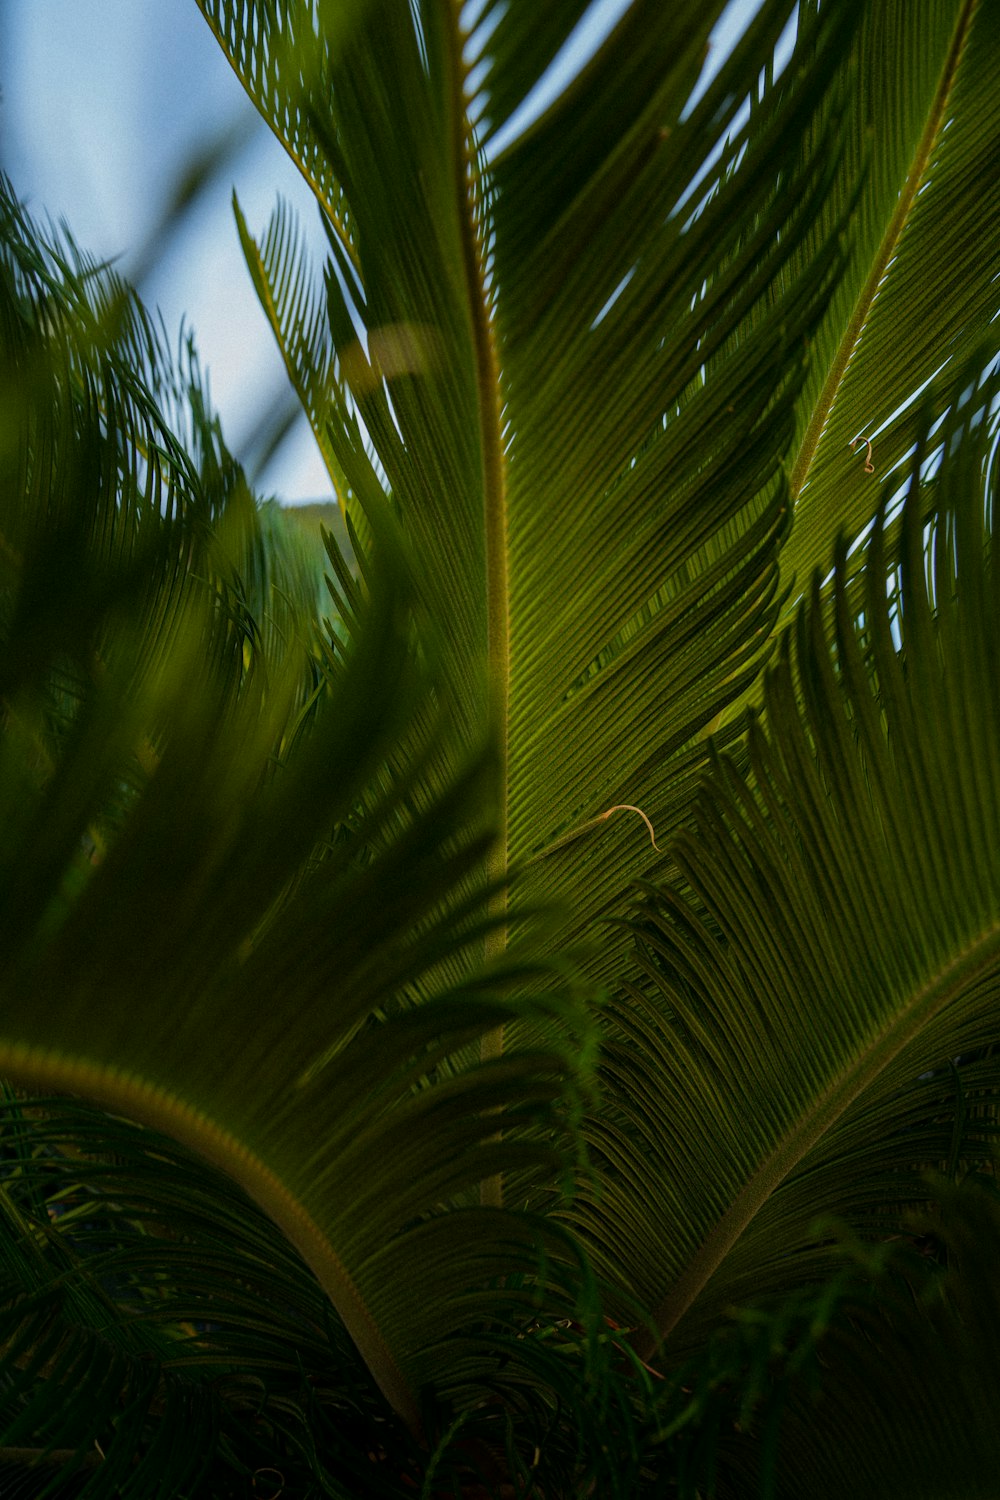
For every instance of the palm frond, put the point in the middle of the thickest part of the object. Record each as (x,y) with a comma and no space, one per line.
(585,383)
(503,364)
(925,1349)
(840,942)
(296,310)
(922,131)
(236,957)
(210,1349)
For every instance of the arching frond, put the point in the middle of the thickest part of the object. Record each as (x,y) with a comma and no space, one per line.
(921,289)
(787,1052)
(586,363)
(502,365)
(219,906)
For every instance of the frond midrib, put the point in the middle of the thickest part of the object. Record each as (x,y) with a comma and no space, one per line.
(494,478)
(153,1106)
(853,332)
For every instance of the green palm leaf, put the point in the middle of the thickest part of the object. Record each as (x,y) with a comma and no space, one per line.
(585,388)
(189,1310)
(776,1061)
(921,286)
(255,857)
(597,524)
(578,380)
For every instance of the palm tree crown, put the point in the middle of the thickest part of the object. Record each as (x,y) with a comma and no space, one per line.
(533,1033)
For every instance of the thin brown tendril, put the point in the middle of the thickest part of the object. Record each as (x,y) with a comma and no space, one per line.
(869,466)
(629,807)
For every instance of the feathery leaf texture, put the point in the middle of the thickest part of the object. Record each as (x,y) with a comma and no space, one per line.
(921,287)
(841,940)
(199,856)
(625,391)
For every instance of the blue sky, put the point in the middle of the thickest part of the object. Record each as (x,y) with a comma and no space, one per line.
(103,102)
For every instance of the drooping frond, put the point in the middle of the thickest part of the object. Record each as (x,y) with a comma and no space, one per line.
(585,371)
(219,907)
(296,310)
(157,1324)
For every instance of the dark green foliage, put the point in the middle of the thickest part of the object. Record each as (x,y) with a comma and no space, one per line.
(520,1022)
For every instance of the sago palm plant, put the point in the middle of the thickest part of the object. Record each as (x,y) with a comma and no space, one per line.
(535,1034)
